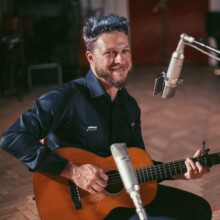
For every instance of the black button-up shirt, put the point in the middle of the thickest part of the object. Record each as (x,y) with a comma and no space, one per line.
(78,114)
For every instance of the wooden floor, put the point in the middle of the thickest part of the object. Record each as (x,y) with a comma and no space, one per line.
(172,129)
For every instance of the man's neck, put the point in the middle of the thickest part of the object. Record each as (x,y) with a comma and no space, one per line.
(112,92)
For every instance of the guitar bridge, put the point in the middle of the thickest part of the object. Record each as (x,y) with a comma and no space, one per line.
(74,192)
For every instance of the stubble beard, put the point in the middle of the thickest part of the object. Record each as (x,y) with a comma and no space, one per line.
(112,79)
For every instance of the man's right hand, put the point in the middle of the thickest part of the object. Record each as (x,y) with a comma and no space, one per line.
(86,176)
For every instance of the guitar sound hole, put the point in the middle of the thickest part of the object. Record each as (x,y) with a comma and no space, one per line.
(114,184)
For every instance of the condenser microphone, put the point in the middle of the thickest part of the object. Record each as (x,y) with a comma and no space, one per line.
(166,83)
(128,176)
(172,78)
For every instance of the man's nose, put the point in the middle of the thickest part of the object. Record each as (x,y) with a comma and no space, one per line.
(119,57)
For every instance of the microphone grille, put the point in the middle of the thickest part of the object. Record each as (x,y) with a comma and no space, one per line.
(119,149)
(168,92)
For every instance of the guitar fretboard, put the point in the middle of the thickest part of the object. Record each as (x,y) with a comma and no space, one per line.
(167,170)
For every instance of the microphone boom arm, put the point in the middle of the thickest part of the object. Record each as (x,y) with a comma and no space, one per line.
(190,41)
(203,51)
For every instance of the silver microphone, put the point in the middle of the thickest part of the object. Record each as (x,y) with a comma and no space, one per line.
(173,73)
(166,83)
(128,176)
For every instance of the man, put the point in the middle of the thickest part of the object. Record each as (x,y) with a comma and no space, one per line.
(92,113)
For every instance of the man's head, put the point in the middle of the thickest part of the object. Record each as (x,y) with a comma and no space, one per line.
(108,49)
(94,27)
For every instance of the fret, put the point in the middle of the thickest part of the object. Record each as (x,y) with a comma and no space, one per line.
(149,171)
(169,168)
(205,162)
(143,179)
(174,168)
(151,174)
(148,177)
(166,170)
(160,170)
(209,160)
(181,169)
(154,177)
(139,173)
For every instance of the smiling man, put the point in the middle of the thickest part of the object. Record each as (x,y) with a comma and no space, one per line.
(92,113)
(110,60)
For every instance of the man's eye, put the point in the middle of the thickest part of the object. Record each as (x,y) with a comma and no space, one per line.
(126,51)
(110,53)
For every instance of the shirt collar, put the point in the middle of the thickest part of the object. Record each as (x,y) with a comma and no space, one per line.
(96,89)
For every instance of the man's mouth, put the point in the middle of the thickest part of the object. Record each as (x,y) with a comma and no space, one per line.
(118,68)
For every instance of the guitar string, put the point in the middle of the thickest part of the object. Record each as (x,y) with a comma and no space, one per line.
(181,166)
(161,170)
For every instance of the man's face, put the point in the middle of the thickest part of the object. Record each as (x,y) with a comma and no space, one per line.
(110,59)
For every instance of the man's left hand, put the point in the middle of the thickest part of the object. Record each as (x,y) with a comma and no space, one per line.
(194,169)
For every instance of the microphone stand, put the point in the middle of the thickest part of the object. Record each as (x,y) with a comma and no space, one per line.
(135,195)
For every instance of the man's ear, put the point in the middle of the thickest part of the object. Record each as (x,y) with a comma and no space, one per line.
(89,56)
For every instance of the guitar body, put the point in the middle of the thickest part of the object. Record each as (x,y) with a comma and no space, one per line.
(53,197)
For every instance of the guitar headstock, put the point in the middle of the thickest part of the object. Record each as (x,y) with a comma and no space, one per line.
(205,151)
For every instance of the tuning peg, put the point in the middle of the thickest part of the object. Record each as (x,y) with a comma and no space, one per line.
(204,149)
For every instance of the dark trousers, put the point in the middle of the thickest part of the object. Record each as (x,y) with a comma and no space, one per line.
(170,203)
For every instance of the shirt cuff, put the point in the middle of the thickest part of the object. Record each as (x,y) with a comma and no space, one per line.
(53,164)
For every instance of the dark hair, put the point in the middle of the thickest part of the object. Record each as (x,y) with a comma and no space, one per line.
(94,27)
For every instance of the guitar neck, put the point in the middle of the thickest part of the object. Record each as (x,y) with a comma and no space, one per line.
(167,170)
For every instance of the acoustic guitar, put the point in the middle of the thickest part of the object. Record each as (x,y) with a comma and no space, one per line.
(60,199)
